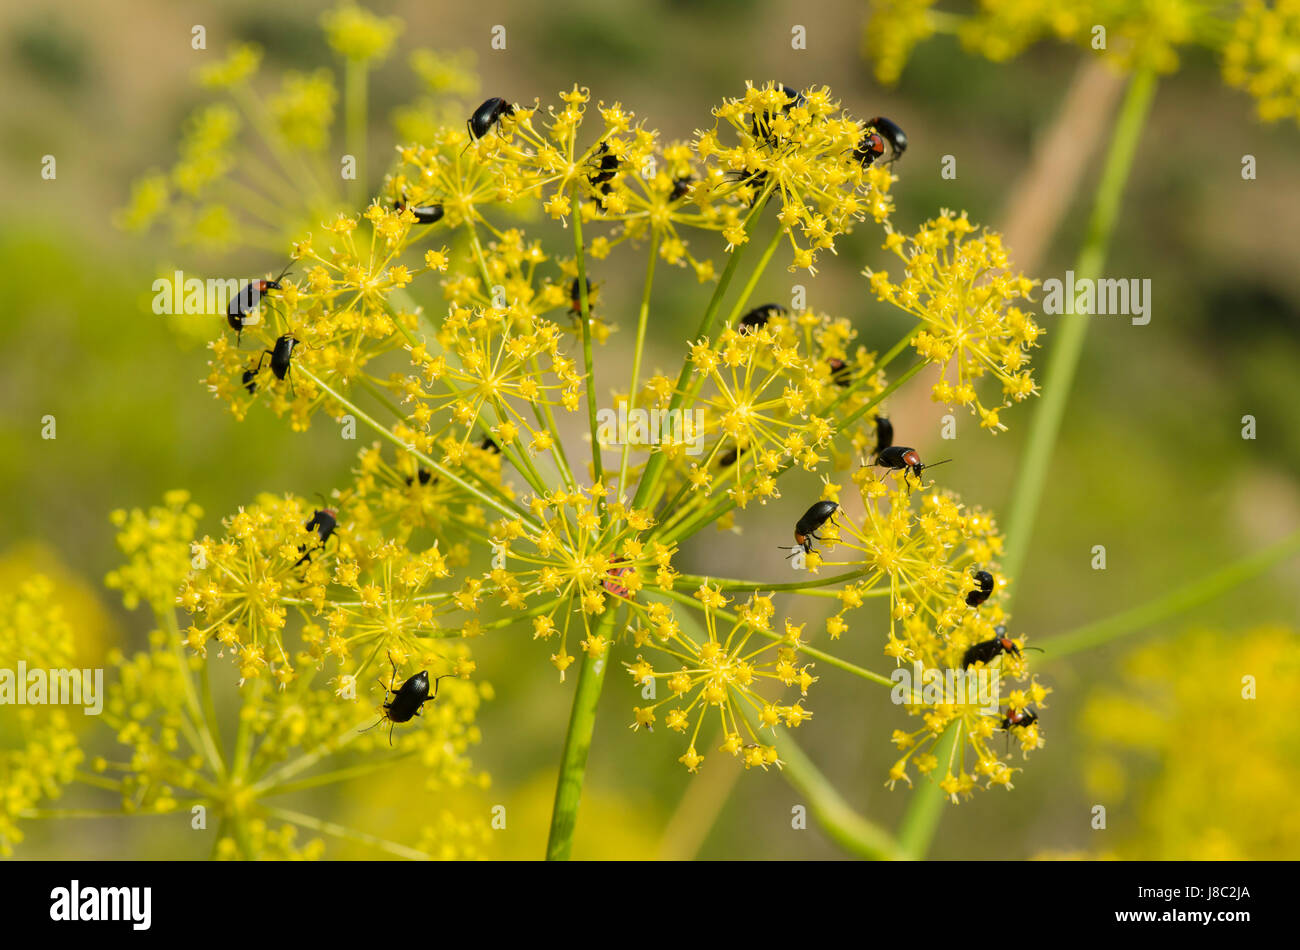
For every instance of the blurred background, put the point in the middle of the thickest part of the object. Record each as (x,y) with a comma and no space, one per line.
(1151,462)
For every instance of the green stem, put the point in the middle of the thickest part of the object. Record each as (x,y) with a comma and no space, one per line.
(642,321)
(836,817)
(577,743)
(654,467)
(580,256)
(1073,327)
(1170,605)
(926,807)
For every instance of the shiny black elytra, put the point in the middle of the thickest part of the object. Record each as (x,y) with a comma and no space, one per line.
(1017,719)
(323,522)
(891,133)
(281,357)
(903,457)
(487,115)
(805,529)
(606,168)
(983,588)
(408,699)
(884,434)
(424,214)
(759,316)
(248,300)
(841,372)
(681,188)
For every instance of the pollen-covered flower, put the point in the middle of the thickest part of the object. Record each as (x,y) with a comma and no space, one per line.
(959,285)
(739,670)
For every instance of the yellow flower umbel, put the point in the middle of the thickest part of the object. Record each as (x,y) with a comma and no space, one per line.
(973,732)
(922,545)
(726,670)
(796,148)
(39,753)
(958,283)
(577,565)
(241,586)
(760,402)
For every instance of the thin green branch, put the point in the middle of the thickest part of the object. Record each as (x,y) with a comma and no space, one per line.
(1178,601)
(1073,327)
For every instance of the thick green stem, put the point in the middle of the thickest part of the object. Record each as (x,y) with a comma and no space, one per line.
(1073,327)
(577,743)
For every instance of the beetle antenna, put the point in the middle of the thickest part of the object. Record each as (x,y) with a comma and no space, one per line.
(436,680)
(936,464)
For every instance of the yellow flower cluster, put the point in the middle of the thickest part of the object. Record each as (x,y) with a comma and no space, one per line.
(723,669)
(959,284)
(1195,741)
(1262,57)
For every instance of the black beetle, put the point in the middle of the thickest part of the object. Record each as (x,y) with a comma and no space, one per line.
(248,300)
(891,133)
(902,457)
(759,316)
(607,167)
(1017,719)
(984,587)
(323,522)
(490,112)
(986,650)
(424,214)
(805,529)
(408,698)
(884,434)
